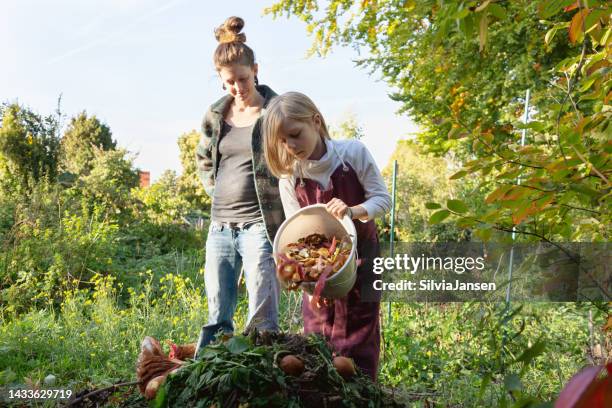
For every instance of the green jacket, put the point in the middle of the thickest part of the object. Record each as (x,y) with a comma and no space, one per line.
(208,158)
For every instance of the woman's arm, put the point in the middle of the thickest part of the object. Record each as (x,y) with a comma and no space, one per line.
(204,160)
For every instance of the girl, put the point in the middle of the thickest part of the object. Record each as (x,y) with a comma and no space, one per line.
(315,169)
(246,209)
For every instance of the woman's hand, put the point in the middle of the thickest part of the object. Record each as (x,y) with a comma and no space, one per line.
(337,208)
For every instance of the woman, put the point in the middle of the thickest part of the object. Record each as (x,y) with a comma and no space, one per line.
(246,206)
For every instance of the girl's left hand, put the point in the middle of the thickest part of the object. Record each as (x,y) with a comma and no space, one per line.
(337,208)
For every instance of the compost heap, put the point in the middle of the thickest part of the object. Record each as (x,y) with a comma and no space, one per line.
(246,371)
(311,259)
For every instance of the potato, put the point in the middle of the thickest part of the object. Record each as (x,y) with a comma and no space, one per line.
(292,365)
(345,367)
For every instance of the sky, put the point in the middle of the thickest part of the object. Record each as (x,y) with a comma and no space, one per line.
(144,67)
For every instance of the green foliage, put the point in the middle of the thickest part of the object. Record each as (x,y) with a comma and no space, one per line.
(82,136)
(422,180)
(190,184)
(461,69)
(50,250)
(58,236)
(162,201)
(244,369)
(464,355)
(348,128)
(29,149)
(110,180)
(485,354)
(557,186)
(93,336)
(164,215)
(433,55)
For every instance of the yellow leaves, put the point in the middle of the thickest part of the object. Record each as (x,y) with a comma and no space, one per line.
(515,193)
(372,33)
(392,27)
(458,102)
(487,136)
(532,208)
(498,193)
(576,28)
(410,5)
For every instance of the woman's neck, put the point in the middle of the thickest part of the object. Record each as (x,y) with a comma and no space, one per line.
(255,100)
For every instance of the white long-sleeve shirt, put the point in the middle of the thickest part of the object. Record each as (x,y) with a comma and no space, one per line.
(353,152)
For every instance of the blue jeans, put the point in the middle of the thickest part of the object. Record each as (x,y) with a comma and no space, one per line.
(227,250)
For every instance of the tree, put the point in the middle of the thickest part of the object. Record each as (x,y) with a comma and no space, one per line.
(110,180)
(83,135)
(163,201)
(452,66)
(29,148)
(189,183)
(422,180)
(461,68)
(348,128)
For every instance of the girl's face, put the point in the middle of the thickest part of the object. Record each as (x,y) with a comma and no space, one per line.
(239,80)
(303,139)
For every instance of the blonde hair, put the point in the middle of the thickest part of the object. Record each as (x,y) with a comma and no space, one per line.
(232,48)
(288,106)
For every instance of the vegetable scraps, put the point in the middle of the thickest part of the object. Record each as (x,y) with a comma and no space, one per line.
(312,259)
(266,369)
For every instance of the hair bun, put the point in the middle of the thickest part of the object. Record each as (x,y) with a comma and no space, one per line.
(229,31)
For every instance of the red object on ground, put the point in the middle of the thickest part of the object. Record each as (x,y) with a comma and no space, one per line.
(153,363)
(587,389)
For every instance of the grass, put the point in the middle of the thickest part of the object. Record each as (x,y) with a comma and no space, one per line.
(440,352)
(446,351)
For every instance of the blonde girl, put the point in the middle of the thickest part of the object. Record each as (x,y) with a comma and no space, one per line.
(313,168)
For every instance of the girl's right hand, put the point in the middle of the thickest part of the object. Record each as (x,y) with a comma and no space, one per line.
(337,208)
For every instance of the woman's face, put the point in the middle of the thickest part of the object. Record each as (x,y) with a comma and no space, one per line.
(239,80)
(302,139)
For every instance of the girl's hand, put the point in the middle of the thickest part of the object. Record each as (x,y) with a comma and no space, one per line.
(337,208)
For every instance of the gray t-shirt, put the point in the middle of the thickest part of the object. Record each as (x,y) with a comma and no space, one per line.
(235,198)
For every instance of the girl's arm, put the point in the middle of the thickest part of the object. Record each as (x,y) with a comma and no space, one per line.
(286,186)
(377,198)
(339,209)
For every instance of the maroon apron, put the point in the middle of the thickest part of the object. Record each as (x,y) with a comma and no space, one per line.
(350,324)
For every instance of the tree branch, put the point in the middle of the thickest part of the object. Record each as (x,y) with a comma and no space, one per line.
(570,86)
(581,209)
(94,392)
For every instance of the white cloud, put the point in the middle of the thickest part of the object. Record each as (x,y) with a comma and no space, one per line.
(118,34)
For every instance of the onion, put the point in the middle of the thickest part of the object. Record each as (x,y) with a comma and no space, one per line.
(292,365)
(345,367)
(153,386)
